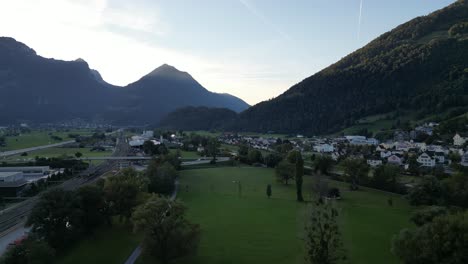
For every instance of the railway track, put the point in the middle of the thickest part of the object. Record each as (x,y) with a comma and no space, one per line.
(17,214)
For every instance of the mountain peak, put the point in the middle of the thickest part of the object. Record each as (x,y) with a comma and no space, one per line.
(13,46)
(168,71)
(165,68)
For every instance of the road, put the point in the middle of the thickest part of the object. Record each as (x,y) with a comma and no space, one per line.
(192,162)
(137,251)
(13,218)
(20,151)
(116,158)
(203,161)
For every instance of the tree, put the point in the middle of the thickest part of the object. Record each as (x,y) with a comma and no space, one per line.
(323,237)
(356,171)
(90,200)
(213,148)
(150,148)
(272,159)
(284,171)
(413,165)
(173,159)
(161,177)
(268,190)
(162,149)
(443,240)
(428,192)
(334,193)
(78,155)
(385,178)
(121,192)
(456,189)
(56,218)
(323,164)
(168,235)
(243,150)
(427,214)
(29,252)
(285,147)
(295,158)
(255,156)
(455,157)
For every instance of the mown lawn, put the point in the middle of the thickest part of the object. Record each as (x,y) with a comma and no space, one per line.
(189,154)
(247,227)
(108,245)
(38,138)
(57,152)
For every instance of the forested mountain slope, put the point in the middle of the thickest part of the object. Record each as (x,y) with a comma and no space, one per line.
(420,66)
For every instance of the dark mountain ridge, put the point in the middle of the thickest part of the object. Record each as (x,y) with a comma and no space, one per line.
(38,89)
(198,118)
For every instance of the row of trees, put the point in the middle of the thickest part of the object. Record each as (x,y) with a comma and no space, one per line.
(451,191)
(441,222)
(292,167)
(442,239)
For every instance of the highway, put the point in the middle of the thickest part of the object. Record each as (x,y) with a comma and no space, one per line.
(19,151)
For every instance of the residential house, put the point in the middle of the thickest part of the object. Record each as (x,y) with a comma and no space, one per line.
(374,162)
(459,140)
(421,146)
(403,146)
(380,148)
(439,156)
(372,141)
(425,129)
(395,159)
(200,149)
(358,141)
(464,161)
(385,154)
(401,135)
(324,148)
(426,160)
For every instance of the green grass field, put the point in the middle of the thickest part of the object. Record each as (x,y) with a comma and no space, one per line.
(189,154)
(108,245)
(38,138)
(57,152)
(247,227)
(251,228)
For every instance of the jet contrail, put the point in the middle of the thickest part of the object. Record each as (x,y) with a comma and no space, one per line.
(359,25)
(254,11)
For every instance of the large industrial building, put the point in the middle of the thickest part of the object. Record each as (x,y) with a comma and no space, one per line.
(14,179)
(11,183)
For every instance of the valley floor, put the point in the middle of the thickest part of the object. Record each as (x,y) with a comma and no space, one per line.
(246,227)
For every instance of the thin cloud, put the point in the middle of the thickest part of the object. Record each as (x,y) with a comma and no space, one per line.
(254,11)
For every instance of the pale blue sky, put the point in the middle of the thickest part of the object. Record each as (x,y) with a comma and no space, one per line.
(254,49)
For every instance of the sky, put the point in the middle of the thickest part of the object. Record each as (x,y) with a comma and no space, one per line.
(253,49)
